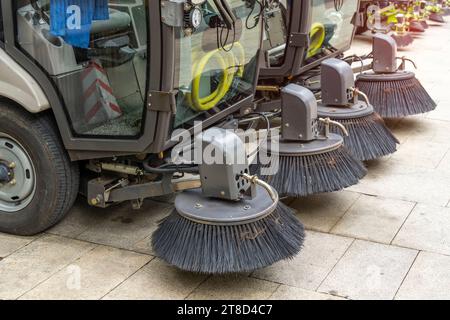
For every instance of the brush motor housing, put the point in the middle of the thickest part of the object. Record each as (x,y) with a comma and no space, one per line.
(384,54)
(299,113)
(224,160)
(337,81)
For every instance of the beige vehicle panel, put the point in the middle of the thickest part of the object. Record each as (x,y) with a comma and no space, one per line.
(18,85)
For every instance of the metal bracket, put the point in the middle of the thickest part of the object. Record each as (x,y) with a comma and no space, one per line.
(299,40)
(172,13)
(162,101)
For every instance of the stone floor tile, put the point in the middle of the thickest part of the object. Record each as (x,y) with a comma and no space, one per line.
(155,281)
(292,293)
(427,228)
(319,255)
(91,276)
(10,243)
(428,279)
(369,271)
(233,287)
(413,153)
(321,212)
(126,228)
(400,181)
(374,218)
(36,262)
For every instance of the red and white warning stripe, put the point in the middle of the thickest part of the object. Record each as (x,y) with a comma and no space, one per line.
(100,104)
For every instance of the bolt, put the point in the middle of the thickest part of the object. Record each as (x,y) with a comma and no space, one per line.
(222,193)
(198,206)
(96,201)
(287,125)
(12,165)
(13,182)
(247,207)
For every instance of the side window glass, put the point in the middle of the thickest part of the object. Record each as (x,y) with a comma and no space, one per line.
(96,53)
(331,27)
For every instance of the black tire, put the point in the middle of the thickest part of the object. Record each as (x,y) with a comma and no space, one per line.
(56,177)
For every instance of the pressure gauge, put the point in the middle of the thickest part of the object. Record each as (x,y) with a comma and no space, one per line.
(196,2)
(195,17)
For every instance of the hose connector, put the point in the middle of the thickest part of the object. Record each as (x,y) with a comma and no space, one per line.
(328,122)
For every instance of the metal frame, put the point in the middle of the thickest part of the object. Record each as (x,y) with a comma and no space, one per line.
(293,55)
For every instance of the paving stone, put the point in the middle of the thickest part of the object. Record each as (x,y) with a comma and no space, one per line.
(126,228)
(157,281)
(427,228)
(428,279)
(36,262)
(233,288)
(322,212)
(81,217)
(374,218)
(90,277)
(401,181)
(445,163)
(421,128)
(442,112)
(319,255)
(10,243)
(292,293)
(369,271)
(412,153)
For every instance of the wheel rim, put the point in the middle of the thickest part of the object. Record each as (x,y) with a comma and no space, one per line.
(17,175)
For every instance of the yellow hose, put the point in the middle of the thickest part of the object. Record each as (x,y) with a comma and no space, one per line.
(227,62)
(317,36)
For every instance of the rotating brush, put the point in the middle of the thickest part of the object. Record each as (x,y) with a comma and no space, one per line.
(306,161)
(369,138)
(436,12)
(393,91)
(234,223)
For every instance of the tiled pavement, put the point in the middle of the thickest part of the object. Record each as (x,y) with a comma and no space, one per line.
(386,238)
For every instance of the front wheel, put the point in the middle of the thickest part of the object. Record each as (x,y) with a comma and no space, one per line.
(38,183)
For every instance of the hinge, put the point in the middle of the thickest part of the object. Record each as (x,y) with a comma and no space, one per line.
(358,19)
(172,13)
(162,101)
(297,39)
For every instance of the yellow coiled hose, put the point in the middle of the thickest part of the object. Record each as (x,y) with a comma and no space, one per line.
(232,64)
(317,36)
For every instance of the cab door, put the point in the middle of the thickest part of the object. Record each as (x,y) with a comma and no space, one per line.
(96,61)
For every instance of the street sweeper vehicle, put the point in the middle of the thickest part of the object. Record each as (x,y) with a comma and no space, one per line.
(115,99)
(127,100)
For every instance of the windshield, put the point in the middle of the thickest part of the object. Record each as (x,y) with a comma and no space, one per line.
(216,66)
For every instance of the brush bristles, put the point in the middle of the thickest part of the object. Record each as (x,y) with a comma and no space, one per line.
(300,176)
(416,26)
(369,137)
(403,40)
(397,99)
(436,17)
(212,249)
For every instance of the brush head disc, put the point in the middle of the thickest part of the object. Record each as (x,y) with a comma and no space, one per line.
(237,242)
(395,95)
(436,17)
(416,26)
(402,39)
(369,137)
(313,167)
